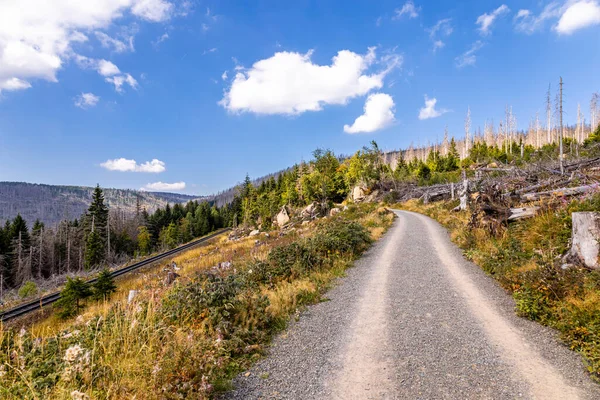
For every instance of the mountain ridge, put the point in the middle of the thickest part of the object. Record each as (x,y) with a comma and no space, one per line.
(53,203)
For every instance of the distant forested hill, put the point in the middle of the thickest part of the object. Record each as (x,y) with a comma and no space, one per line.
(51,204)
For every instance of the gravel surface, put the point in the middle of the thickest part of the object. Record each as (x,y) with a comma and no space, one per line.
(414,320)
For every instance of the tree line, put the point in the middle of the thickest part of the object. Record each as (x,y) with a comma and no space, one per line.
(100,237)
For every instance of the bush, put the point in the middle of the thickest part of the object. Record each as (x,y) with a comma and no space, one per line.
(341,236)
(28,289)
(207,297)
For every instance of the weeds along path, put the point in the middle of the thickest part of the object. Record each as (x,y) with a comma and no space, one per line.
(414,320)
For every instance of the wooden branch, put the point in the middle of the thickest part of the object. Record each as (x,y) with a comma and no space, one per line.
(522,213)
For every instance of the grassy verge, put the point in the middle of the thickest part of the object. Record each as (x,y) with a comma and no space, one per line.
(524,259)
(189,339)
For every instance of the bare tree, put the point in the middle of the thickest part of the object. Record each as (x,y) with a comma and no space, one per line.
(549,116)
(467,130)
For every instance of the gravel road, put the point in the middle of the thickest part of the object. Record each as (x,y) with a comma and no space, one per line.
(414,320)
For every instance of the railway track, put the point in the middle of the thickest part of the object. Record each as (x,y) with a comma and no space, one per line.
(51,298)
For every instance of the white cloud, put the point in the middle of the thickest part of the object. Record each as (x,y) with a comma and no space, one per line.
(224,76)
(14,84)
(470,56)
(578,16)
(409,9)
(152,10)
(119,80)
(117,45)
(161,39)
(378,114)
(38,37)
(211,50)
(526,22)
(124,165)
(442,28)
(429,110)
(438,44)
(161,186)
(86,100)
(290,83)
(486,20)
(107,68)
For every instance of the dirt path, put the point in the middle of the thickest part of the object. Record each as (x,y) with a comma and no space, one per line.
(414,320)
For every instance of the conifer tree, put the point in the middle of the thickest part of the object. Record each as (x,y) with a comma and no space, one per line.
(104,285)
(70,301)
(94,250)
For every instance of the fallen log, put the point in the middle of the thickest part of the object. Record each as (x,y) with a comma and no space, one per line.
(522,213)
(562,192)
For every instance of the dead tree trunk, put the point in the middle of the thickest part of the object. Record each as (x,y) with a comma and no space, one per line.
(585,246)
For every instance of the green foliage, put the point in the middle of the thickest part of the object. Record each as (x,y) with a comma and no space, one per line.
(144,240)
(342,237)
(104,286)
(28,289)
(94,250)
(71,297)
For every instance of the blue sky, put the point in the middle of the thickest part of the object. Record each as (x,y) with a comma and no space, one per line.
(87,88)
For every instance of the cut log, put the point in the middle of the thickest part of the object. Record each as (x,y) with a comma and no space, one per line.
(522,213)
(562,192)
(585,246)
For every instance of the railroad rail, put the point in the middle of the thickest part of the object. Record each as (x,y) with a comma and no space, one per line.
(51,298)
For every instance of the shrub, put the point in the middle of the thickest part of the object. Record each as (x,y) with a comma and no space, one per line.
(28,289)
(207,297)
(342,237)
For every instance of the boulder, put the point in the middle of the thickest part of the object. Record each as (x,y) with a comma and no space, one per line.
(334,211)
(310,211)
(283,217)
(254,233)
(358,193)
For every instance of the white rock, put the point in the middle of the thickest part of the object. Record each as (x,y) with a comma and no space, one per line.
(334,211)
(358,193)
(283,217)
(254,233)
(132,294)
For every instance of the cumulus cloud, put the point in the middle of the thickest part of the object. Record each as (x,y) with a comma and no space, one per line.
(290,83)
(378,114)
(429,111)
(579,15)
(162,186)
(124,165)
(486,20)
(469,57)
(14,84)
(407,9)
(86,100)
(38,37)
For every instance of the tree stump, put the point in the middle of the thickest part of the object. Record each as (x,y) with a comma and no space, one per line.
(585,246)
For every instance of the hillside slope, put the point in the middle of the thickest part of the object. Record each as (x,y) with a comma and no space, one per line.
(50,203)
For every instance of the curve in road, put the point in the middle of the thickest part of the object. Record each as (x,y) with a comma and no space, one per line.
(415,320)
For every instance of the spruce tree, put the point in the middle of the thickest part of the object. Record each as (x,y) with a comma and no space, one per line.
(70,301)
(94,250)
(104,285)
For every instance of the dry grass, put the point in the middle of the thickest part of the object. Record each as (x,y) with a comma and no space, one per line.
(134,351)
